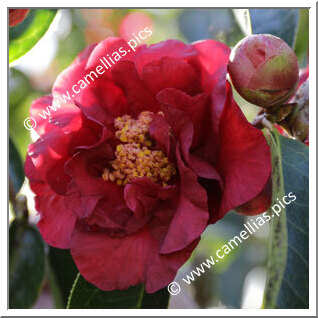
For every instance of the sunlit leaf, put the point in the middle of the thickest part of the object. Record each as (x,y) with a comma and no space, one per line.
(19,134)
(26,34)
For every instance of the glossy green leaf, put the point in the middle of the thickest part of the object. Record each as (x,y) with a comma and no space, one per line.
(64,272)
(280,22)
(294,290)
(26,265)
(16,172)
(25,35)
(288,273)
(85,295)
(157,300)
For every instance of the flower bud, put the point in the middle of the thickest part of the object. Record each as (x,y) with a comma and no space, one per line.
(264,70)
(16,16)
(299,121)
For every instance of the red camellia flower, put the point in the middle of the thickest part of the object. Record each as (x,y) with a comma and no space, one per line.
(130,171)
(16,16)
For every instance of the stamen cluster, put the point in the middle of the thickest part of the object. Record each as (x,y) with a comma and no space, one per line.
(136,156)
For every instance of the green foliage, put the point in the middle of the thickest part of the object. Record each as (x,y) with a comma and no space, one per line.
(288,272)
(64,272)
(85,295)
(302,40)
(280,22)
(26,34)
(19,87)
(278,229)
(70,47)
(294,291)
(21,95)
(19,134)
(26,265)
(16,172)
(217,24)
(157,300)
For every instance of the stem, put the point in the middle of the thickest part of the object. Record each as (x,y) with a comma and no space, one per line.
(21,209)
(12,193)
(267,124)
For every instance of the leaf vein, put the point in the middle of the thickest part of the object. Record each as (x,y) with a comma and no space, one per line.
(300,256)
(297,227)
(293,290)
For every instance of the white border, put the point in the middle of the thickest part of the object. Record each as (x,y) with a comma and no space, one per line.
(312,160)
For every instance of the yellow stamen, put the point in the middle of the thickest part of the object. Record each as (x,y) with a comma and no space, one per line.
(135,158)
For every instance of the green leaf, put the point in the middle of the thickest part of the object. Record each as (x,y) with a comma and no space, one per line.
(16,172)
(157,300)
(280,22)
(302,41)
(278,226)
(217,24)
(85,295)
(26,34)
(19,87)
(287,278)
(26,265)
(294,291)
(64,272)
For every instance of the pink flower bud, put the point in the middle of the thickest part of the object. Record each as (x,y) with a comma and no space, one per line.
(264,70)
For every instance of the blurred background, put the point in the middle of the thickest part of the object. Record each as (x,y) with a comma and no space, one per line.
(237,281)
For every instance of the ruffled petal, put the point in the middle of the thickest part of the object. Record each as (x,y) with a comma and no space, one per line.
(245,158)
(191,216)
(170,48)
(57,222)
(212,57)
(106,49)
(118,263)
(39,105)
(172,73)
(138,96)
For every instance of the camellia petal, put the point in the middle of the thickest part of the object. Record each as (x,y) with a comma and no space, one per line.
(244,154)
(99,258)
(57,222)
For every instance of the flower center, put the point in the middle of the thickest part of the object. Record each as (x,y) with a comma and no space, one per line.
(136,157)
